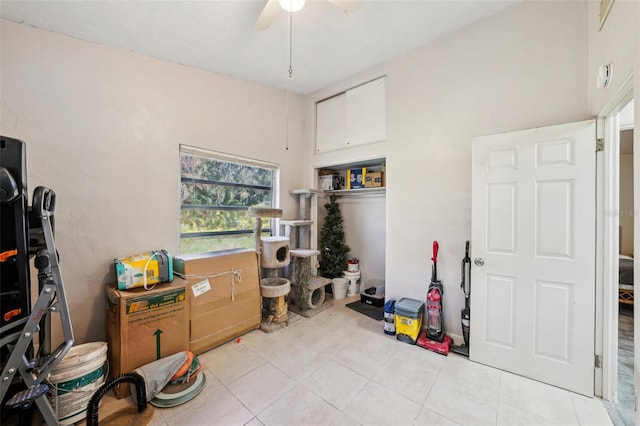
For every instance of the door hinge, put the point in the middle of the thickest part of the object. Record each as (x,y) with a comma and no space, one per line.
(599,145)
(598,361)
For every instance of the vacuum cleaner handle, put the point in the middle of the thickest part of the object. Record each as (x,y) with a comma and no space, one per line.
(465,283)
(463,266)
(434,271)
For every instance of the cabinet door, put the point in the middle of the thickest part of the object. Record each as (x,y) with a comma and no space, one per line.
(330,124)
(366,113)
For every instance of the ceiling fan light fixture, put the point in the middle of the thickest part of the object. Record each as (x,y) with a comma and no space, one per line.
(292,5)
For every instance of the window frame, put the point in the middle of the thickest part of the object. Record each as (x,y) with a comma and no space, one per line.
(229,158)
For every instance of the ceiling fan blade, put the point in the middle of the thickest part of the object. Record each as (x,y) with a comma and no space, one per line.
(267,14)
(346,5)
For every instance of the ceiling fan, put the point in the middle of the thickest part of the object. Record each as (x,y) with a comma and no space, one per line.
(273,6)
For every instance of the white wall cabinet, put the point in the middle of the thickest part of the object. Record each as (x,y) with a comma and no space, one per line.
(331,124)
(355,117)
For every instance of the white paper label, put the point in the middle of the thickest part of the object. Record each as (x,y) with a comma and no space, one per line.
(201,288)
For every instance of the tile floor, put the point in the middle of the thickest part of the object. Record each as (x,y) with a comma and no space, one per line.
(622,413)
(339,368)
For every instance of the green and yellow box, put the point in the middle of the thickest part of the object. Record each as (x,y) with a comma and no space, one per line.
(157,265)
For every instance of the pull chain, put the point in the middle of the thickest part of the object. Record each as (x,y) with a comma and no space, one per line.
(290,45)
(286,123)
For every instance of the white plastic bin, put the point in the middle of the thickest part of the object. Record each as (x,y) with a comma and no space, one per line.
(339,287)
(353,279)
(372,292)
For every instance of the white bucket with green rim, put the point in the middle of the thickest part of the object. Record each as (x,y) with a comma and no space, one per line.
(75,379)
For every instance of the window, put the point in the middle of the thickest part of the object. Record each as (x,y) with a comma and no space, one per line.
(216,191)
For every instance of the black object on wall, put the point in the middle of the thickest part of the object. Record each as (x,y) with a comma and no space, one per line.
(15,302)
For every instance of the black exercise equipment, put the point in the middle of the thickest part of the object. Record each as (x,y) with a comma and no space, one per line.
(28,232)
(14,228)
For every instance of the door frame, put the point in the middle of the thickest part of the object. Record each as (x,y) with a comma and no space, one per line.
(607,225)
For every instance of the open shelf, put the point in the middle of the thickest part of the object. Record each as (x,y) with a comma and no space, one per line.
(359,191)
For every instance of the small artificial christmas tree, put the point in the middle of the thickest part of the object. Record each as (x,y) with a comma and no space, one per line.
(332,246)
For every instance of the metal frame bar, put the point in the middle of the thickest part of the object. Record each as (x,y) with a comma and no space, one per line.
(52,298)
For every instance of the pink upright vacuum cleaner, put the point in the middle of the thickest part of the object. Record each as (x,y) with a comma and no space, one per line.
(433,337)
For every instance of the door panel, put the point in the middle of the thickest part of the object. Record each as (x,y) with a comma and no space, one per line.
(552,312)
(501,217)
(503,158)
(500,311)
(331,130)
(554,218)
(533,224)
(366,113)
(552,153)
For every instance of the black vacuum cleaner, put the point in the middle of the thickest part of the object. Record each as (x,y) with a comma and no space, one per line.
(465,314)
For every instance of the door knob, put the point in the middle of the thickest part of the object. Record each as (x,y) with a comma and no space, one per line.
(478,261)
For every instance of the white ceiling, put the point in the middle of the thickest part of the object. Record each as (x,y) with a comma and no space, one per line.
(328,44)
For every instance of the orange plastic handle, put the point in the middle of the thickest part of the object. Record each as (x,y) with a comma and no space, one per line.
(184,368)
(7,254)
(12,313)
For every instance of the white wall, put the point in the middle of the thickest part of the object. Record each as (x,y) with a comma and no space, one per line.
(614,44)
(102,128)
(365,233)
(523,68)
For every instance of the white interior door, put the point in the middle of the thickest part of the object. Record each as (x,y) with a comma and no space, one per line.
(533,226)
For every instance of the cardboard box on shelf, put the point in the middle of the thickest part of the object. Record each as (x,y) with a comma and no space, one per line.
(326,182)
(374,180)
(145,325)
(224,296)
